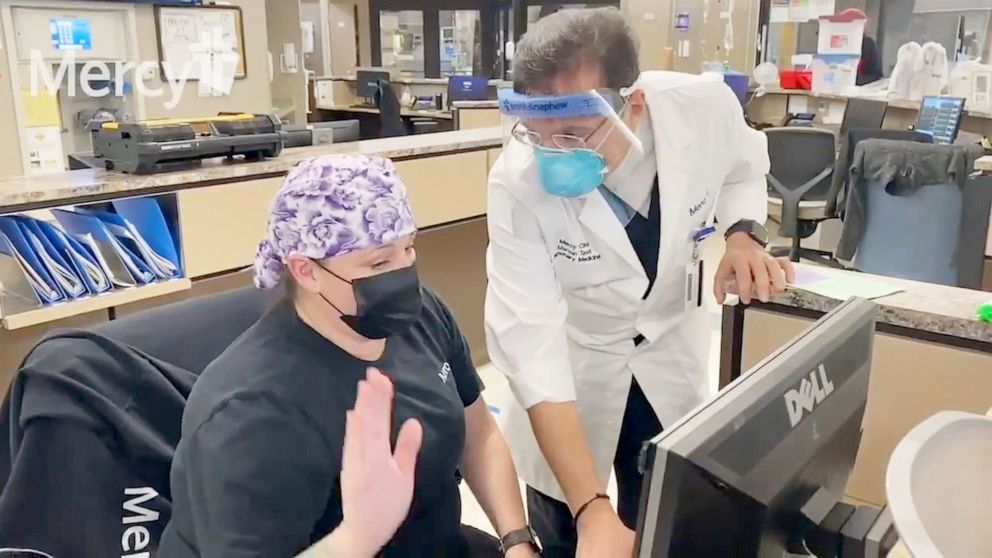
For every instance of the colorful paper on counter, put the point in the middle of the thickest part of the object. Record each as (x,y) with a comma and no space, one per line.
(842,286)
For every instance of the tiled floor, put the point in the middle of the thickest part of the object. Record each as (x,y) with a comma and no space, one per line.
(498,391)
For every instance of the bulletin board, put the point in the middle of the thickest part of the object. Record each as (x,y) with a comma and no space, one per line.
(181,29)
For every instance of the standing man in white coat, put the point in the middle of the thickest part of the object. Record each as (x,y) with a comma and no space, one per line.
(598,209)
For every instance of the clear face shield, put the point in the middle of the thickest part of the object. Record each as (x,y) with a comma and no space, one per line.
(573,140)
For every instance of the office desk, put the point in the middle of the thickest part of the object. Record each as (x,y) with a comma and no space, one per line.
(405,111)
(984,164)
(830,110)
(369,122)
(220,211)
(931,354)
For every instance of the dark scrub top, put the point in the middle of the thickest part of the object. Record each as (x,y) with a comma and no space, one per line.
(257,471)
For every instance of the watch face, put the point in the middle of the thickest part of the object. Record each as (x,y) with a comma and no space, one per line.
(759,233)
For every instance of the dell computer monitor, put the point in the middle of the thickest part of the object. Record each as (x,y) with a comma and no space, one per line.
(730,478)
(467,88)
(367,82)
(940,117)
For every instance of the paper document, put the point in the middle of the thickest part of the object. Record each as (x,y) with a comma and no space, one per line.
(842,286)
(161,266)
(72,285)
(89,242)
(46,292)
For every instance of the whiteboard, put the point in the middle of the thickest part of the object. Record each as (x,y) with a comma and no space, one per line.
(183,33)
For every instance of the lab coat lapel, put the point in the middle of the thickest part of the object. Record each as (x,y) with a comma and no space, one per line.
(599,218)
(672,138)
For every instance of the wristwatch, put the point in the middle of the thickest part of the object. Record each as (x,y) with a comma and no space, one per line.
(754,229)
(518,537)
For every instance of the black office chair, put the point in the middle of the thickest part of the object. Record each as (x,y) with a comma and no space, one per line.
(97,415)
(800,186)
(863,113)
(390,115)
(849,142)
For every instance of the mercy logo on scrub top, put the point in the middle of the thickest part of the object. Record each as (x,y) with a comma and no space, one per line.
(71,34)
(445,372)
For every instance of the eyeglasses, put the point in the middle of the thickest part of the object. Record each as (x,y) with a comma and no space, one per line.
(567,142)
(564,142)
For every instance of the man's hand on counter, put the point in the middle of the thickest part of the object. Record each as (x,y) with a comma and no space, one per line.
(755,272)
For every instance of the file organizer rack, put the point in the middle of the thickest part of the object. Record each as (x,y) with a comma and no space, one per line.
(21,307)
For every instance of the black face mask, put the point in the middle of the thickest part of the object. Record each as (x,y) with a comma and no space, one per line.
(387,303)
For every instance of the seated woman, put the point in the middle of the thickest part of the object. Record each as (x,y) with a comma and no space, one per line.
(258,469)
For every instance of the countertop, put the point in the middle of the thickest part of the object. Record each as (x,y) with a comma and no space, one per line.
(984,164)
(490,104)
(415,81)
(908,105)
(32,192)
(920,306)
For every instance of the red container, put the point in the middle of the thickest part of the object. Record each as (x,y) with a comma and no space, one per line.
(796,79)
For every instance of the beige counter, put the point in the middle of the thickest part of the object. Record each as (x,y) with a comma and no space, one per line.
(931,354)
(221,212)
(471,115)
(80,186)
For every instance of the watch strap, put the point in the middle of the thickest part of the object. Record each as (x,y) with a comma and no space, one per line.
(518,537)
(755,230)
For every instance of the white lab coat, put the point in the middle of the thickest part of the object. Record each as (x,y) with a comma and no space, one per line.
(565,286)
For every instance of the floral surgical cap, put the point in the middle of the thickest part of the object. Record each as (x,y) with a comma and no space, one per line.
(330,206)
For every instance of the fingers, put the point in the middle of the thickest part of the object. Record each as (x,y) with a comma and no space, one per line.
(719,282)
(352,457)
(745,285)
(762,281)
(777,275)
(789,268)
(375,405)
(408,446)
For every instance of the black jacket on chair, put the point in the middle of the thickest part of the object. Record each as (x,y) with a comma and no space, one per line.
(89,427)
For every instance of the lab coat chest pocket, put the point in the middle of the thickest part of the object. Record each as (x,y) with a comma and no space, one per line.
(580,262)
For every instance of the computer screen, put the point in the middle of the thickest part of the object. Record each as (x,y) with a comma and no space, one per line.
(940,117)
(367,82)
(732,477)
(467,88)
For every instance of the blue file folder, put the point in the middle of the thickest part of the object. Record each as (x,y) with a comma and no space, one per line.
(58,267)
(147,217)
(128,235)
(120,264)
(84,262)
(41,281)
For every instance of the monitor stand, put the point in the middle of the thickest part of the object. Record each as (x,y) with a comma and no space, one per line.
(830,528)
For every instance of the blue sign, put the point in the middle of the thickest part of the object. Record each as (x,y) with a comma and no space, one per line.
(72,34)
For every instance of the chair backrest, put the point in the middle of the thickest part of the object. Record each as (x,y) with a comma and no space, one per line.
(926,229)
(390,116)
(192,333)
(849,141)
(863,113)
(912,236)
(799,156)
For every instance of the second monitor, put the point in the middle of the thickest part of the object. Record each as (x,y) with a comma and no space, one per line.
(740,475)
(941,117)
(367,83)
(467,88)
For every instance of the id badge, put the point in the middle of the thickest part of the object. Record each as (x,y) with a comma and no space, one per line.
(693,285)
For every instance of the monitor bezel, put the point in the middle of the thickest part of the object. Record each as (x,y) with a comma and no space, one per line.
(692,432)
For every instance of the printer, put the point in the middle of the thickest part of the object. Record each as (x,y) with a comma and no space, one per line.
(175,144)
